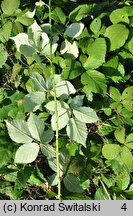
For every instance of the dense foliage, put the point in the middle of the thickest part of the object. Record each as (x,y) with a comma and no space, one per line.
(70,79)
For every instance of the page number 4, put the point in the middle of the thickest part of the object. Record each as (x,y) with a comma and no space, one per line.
(124,207)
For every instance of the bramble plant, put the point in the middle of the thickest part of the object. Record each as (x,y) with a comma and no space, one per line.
(66,100)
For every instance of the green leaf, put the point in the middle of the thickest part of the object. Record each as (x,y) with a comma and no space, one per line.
(120,134)
(27,153)
(77,131)
(74,30)
(95,81)
(115,94)
(127,116)
(127,158)
(27,50)
(34,35)
(53,164)
(86,184)
(97,52)
(81,12)
(69,49)
(106,129)
(24,20)
(96,25)
(18,131)
(130,190)
(21,39)
(72,148)
(110,67)
(58,15)
(30,14)
(101,194)
(36,126)
(16,69)
(46,50)
(53,180)
(119,15)
(4,156)
(88,93)
(7,170)
(123,180)
(76,196)
(72,184)
(38,39)
(64,89)
(60,105)
(129,145)
(130,45)
(63,116)
(5,32)
(70,69)
(127,98)
(129,10)
(47,136)
(85,114)
(36,180)
(24,174)
(77,101)
(129,138)
(77,165)
(121,69)
(16,28)
(85,43)
(9,7)
(11,177)
(38,82)
(108,180)
(111,151)
(48,150)
(113,33)
(3,55)
(33,101)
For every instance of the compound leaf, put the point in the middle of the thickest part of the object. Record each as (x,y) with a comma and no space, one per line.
(27,153)
(38,81)
(18,131)
(36,126)
(64,89)
(77,131)
(63,116)
(33,100)
(85,114)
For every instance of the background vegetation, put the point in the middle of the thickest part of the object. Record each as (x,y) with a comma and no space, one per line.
(75,56)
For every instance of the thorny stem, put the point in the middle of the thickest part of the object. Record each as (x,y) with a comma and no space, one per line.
(55,108)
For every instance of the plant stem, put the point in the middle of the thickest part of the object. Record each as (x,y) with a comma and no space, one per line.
(55,108)
(105,189)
